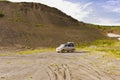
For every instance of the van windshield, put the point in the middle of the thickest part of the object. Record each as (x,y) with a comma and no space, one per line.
(62,45)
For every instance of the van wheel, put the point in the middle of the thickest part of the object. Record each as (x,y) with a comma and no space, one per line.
(72,50)
(68,51)
(58,51)
(63,51)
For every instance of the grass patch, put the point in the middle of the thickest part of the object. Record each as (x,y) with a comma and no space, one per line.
(6,54)
(108,46)
(5,0)
(111,29)
(3,54)
(39,25)
(18,19)
(37,51)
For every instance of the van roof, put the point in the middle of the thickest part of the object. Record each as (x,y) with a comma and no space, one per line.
(70,42)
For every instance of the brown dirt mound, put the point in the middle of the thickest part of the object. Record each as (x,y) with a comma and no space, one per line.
(37,25)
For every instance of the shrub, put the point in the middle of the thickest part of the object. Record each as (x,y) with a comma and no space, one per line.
(1,14)
(39,25)
(5,0)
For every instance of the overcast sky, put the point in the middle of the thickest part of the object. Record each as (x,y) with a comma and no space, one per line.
(101,12)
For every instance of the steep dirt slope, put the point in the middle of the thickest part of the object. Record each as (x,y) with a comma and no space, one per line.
(37,25)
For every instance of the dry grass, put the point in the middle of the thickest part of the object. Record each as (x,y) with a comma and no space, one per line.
(36,51)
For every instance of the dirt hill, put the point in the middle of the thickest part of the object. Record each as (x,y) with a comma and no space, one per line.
(37,25)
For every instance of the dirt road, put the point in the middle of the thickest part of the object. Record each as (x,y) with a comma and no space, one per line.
(81,65)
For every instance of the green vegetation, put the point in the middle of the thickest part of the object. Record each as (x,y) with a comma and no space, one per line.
(115,29)
(37,51)
(1,14)
(18,19)
(109,46)
(2,54)
(3,0)
(6,54)
(39,25)
(110,28)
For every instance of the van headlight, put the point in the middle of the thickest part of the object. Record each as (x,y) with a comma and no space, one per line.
(58,49)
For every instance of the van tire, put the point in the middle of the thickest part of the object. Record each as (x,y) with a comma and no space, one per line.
(58,51)
(63,51)
(73,50)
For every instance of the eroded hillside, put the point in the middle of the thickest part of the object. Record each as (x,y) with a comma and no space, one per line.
(37,25)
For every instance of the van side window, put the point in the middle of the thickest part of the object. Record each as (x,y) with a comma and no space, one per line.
(66,45)
(70,45)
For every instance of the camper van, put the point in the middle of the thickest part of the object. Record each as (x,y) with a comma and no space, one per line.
(67,47)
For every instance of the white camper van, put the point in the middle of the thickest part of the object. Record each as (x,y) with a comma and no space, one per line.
(67,47)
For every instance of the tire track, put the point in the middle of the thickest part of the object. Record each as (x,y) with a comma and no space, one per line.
(61,72)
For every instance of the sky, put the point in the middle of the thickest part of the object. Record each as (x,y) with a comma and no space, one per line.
(100,12)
